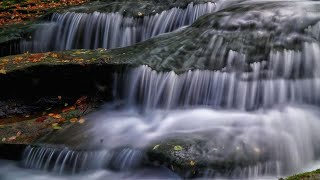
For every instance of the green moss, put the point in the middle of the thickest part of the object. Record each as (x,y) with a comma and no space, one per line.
(313,175)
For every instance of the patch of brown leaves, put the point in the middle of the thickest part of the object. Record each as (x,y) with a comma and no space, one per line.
(31,9)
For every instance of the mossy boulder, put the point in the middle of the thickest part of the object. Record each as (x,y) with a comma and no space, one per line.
(132,8)
(201,156)
(313,175)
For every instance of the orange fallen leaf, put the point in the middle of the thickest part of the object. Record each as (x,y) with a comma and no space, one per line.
(61,119)
(57,116)
(68,109)
(81,100)
(73,120)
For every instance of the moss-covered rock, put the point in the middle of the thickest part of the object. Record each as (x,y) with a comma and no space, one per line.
(194,155)
(313,175)
(30,128)
(131,8)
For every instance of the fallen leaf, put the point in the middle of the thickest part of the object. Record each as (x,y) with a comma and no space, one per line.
(192,163)
(81,121)
(54,55)
(41,119)
(61,120)
(4,139)
(177,148)
(73,120)
(2,71)
(18,133)
(155,147)
(81,100)
(56,116)
(12,138)
(56,127)
(68,109)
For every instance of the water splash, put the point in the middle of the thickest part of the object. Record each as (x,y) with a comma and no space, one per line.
(271,142)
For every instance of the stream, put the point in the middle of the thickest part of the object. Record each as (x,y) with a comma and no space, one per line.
(242,78)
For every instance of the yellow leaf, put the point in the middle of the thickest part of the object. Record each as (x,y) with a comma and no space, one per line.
(57,116)
(78,52)
(81,121)
(57,127)
(2,71)
(18,58)
(177,148)
(192,163)
(54,55)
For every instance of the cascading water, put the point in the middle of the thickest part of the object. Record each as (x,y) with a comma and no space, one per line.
(66,160)
(109,30)
(255,105)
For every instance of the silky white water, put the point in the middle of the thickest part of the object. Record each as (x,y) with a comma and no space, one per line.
(109,30)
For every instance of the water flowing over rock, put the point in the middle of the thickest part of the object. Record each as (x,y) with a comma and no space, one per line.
(70,161)
(235,94)
(109,30)
(277,81)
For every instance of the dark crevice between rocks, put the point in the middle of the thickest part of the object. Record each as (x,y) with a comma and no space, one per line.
(12,151)
(9,48)
(34,89)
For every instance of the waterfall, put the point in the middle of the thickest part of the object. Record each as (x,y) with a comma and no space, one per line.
(253,107)
(287,77)
(70,161)
(109,30)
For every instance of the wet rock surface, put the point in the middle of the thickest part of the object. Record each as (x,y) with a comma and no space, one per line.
(202,156)
(131,8)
